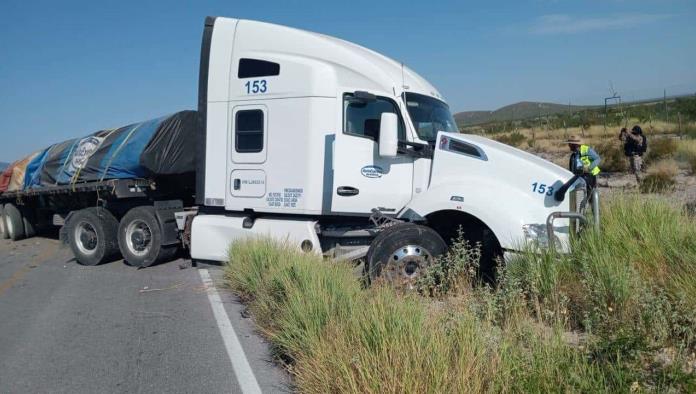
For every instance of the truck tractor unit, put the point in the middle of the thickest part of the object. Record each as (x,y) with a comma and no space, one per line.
(325,145)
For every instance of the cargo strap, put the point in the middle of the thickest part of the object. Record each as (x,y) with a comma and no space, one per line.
(118,150)
(65,162)
(76,175)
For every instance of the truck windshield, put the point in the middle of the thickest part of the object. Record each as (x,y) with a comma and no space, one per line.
(429,115)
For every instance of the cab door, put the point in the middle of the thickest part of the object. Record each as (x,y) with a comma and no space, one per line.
(362,179)
(248,149)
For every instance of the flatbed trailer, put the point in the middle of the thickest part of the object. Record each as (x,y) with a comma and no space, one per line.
(120,188)
(91,214)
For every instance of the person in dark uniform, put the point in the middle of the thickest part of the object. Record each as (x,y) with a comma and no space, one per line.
(635,144)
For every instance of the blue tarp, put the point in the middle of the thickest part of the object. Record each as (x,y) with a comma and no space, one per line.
(159,147)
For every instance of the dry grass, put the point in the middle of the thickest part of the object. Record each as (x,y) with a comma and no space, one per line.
(660,176)
(591,321)
(686,153)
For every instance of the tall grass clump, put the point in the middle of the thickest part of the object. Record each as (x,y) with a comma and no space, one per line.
(660,149)
(686,153)
(660,177)
(616,315)
(630,288)
(612,154)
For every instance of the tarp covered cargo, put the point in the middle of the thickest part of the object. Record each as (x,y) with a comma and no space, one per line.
(5,177)
(19,169)
(155,148)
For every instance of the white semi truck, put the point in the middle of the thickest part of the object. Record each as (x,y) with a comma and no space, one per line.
(334,149)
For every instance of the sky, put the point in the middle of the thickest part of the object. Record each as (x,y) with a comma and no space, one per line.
(68,68)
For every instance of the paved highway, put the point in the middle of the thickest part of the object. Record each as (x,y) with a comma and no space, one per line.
(66,328)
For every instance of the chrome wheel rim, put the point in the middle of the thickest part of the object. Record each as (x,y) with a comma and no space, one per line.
(86,238)
(405,265)
(139,237)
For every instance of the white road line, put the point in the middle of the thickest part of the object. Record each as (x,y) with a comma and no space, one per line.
(240,364)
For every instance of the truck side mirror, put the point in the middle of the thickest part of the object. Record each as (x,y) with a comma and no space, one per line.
(388,134)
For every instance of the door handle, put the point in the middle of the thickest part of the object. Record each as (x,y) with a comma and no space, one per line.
(237,184)
(347,191)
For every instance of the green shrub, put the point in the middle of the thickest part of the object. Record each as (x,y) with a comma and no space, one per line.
(612,155)
(660,177)
(456,269)
(513,139)
(660,149)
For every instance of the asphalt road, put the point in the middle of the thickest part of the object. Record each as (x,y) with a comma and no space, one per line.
(66,328)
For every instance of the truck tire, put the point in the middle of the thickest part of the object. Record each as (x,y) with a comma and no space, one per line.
(92,234)
(400,253)
(3,228)
(140,238)
(14,225)
(29,221)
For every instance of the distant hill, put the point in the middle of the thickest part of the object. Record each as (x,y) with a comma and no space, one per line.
(517,111)
(3,165)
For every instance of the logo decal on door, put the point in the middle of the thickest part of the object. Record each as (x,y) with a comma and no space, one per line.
(372,171)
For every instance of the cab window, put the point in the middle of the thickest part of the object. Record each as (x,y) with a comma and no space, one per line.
(361,116)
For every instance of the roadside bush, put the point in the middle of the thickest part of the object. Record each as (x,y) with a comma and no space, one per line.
(686,153)
(660,177)
(456,270)
(631,288)
(689,131)
(660,149)
(613,158)
(616,315)
(513,139)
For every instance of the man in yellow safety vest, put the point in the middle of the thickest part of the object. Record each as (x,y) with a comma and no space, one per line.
(583,160)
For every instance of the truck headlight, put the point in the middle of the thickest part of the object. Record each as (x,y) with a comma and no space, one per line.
(535,234)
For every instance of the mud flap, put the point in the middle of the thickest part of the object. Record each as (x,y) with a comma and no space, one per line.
(63,236)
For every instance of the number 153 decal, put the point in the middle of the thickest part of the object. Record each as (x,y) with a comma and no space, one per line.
(542,188)
(258,86)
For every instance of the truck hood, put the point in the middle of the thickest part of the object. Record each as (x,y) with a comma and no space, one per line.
(509,156)
(504,187)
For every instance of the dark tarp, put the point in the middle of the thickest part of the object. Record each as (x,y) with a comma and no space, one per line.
(155,148)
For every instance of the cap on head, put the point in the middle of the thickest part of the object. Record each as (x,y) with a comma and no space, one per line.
(636,129)
(574,140)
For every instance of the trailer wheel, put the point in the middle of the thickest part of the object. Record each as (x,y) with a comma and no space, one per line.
(400,253)
(14,225)
(29,221)
(140,238)
(3,228)
(92,234)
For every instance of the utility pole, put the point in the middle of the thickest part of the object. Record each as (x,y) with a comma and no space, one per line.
(664,101)
(565,124)
(606,100)
(681,135)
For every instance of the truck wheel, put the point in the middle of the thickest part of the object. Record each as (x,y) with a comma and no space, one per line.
(14,224)
(400,253)
(29,221)
(3,228)
(140,238)
(92,234)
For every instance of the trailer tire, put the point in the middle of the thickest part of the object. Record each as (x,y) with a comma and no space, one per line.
(3,228)
(400,253)
(92,234)
(14,224)
(29,220)
(140,238)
